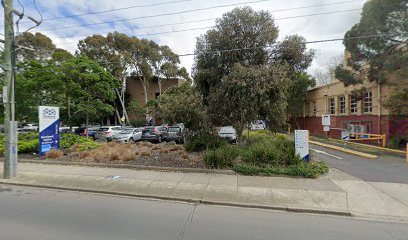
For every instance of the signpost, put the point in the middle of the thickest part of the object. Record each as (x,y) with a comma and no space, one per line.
(302,144)
(49,124)
(345,135)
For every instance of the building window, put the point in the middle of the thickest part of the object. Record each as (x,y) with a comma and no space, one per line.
(353,104)
(332,106)
(314,109)
(342,104)
(368,102)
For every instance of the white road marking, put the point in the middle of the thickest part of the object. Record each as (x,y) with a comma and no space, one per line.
(325,153)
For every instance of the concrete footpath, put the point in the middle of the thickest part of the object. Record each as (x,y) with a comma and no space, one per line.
(335,193)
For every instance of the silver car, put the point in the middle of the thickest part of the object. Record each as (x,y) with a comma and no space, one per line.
(228,133)
(128,135)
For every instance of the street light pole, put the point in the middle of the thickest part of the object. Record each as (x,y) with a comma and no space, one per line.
(10,125)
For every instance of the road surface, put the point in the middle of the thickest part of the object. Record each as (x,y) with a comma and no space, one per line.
(385,168)
(27,213)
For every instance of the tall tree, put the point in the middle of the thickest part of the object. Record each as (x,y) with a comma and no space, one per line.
(93,88)
(376,43)
(41,44)
(166,65)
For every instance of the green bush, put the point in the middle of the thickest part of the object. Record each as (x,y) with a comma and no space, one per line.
(203,141)
(87,145)
(278,151)
(222,157)
(26,136)
(69,139)
(30,146)
(305,169)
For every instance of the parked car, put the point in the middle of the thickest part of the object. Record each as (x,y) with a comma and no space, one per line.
(228,133)
(128,135)
(109,131)
(154,134)
(64,129)
(82,131)
(258,125)
(30,127)
(175,133)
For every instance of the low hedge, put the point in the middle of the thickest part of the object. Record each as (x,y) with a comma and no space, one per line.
(203,141)
(305,169)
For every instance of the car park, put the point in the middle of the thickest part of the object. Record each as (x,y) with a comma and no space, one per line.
(154,134)
(258,125)
(128,135)
(228,133)
(175,133)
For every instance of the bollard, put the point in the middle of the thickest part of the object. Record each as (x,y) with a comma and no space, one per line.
(407,152)
(384,140)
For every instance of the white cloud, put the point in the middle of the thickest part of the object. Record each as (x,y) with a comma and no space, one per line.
(312,28)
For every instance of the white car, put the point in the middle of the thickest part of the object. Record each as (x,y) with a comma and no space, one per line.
(228,133)
(109,131)
(30,127)
(128,135)
(258,125)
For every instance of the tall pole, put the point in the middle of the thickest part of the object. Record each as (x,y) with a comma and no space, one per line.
(10,125)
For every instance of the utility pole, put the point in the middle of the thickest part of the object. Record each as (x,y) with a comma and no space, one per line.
(10,125)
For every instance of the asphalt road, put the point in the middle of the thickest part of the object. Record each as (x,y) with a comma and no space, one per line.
(385,168)
(27,213)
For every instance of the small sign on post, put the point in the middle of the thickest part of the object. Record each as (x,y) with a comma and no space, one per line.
(49,124)
(326,122)
(345,135)
(302,144)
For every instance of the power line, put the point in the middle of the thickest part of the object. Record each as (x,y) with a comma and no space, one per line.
(193,10)
(114,10)
(201,28)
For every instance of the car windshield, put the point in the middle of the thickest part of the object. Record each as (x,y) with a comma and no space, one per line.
(149,129)
(174,129)
(227,130)
(126,131)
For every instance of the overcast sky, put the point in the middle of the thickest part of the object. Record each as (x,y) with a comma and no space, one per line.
(324,26)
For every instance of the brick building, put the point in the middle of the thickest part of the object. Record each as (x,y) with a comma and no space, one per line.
(363,112)
(135,88)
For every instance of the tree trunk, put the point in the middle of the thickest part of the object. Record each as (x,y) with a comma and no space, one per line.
(160,87)
(69,113)
(86,124)
(146,99)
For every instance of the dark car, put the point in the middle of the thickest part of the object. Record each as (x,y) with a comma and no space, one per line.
(175,133)
(82,131)
(154,134)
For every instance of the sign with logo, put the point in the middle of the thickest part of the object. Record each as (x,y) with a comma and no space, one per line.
(345,135)
(326,119)
(326,128)
(302,144)
(49,124)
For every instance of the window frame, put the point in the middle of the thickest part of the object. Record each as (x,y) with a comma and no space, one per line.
(332,106)
(353,110)
(342,104)
(368,102)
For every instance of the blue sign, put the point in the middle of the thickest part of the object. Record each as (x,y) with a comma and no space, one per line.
(49,124)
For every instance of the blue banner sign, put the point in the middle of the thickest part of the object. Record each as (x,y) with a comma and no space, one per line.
(49,124)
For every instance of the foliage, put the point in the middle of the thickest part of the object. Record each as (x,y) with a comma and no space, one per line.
(87,145)
(244,91)
(275,152)
(93,91)
(221,157)
(67,140)
(253,81)
(397,102)
(30,146)
(42,44)
(183,104)
(202,141)
(309,170)
(136,114)
(386,52)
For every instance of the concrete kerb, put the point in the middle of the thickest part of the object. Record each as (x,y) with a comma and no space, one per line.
(187,200)
(128,166)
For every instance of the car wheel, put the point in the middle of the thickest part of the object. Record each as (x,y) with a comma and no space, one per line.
(131,140)
(160,139)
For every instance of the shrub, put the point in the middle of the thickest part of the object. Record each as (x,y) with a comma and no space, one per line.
(203,141)
(220,157)
(30,146)
(305,169)
(54,153)
(144,153)
(87,145)
(270,152)
(69,139)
